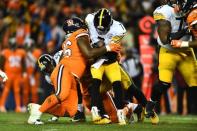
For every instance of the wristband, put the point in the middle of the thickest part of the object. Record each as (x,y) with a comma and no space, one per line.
(184,44)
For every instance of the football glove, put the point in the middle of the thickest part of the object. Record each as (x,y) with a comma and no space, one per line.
(3,76)
(113,47)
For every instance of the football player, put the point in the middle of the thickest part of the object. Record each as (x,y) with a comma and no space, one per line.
(64,76)
(83,95)
(103,31)
(191,20)
(170,24)
(13,62)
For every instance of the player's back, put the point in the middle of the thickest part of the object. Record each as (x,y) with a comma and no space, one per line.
(73,57)
(13,60)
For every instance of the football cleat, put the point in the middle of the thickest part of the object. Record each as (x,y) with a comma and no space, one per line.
(53,119)
(121,117)
(149,109)
(79,117)
(139,111)
(95,114)
(154,119)
(35,114)
(103,120)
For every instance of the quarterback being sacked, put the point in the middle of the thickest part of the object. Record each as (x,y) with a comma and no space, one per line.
(191,19)
(171,27)
(103,31)
(64,76)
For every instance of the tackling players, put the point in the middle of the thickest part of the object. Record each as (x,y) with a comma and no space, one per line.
(71,68)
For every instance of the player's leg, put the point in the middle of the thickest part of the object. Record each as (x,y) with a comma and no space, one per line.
(188,69)
(97,109)
(16,89)
(112,72)
(80,115)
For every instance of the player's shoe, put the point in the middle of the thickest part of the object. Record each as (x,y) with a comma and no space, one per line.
(35,114)
(53,119)
(139,111)
(154,119)
(121,117)
(104,120)
(149,109)
(79,117)
(95,114)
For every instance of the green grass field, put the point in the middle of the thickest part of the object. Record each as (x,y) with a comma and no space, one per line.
(17,122)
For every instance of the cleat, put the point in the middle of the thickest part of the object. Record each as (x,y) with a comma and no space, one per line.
(121,117)
(53,119)
(154,119)
(35,114)
(79,117)
(38,122)
(102,121)
(139,111)
(149,110)
(95,114)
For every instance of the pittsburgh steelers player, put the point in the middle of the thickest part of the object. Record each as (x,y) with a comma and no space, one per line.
(103,31)
(171,26)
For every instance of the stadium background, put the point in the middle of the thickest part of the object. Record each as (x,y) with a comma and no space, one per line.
(41,20)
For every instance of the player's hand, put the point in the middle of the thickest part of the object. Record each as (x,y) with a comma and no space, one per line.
(3,76)
(113,47)
(179,43)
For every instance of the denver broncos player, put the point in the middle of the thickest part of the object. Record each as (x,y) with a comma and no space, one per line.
(13,63)
(171,27)
(191,20)
(103,31)
(64,76)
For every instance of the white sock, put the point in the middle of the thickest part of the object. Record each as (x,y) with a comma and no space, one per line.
(132,106)
(80,107)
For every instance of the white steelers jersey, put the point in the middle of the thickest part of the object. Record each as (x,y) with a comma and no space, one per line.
(166,12)
(57,56)
(116,33)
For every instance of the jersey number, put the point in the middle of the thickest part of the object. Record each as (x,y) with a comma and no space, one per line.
(67,50)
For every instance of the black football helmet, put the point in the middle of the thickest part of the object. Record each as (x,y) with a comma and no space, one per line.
(46,63)
(73,24)
(102,21)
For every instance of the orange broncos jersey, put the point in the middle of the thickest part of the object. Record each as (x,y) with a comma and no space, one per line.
(30,65)
(73,58)
(191,21)
(13,60)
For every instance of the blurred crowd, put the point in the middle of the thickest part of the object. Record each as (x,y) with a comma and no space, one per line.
(36,26)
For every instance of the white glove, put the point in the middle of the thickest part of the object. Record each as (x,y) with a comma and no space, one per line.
(3,76)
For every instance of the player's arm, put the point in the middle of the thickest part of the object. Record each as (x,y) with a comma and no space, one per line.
(180,43)
(2,62)
(84,45)
(164,30)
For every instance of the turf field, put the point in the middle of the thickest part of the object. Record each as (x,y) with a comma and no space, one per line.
(17,122)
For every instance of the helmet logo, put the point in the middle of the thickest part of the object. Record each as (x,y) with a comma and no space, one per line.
(70,22)
(41,65)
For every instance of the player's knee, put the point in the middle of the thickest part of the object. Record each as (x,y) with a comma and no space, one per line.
(163,86)
(116,84)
